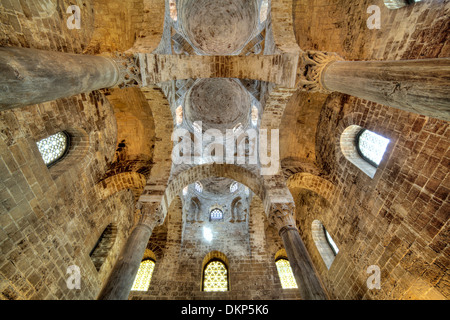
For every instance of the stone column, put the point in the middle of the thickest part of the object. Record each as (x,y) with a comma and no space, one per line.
(306,276)
(122,276)
(420,86)
(30,76)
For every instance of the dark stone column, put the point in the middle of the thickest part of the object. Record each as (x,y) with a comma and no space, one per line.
(122,276)
(420,86)
(308,281)
(30,76)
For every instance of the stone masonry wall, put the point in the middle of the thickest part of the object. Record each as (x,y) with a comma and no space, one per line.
(252,270)
(398,220)
(48,222)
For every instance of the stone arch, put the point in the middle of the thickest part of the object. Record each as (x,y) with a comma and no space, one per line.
(149,254)
(122,181)
(162,155)
(319,185)
(135,132)
(283,27)
(281,253)
(191,175)
(215,255)
(275,104)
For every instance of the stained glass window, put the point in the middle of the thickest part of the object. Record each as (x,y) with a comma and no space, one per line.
(215,277)
(285,273)
(216,214)
(54,147)
(143,276)
(233,187)
(371,146)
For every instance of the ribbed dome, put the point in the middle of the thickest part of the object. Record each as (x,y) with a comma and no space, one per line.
(219,27)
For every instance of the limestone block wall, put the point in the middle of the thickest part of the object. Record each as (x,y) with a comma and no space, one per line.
(105,26)
(250,258)
(50,222)
(399,219)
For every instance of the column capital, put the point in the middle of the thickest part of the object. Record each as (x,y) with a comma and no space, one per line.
(129,67)
(282,216)
(311,67)
(151,214)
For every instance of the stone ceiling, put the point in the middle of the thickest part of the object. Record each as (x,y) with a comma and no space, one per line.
(218,27)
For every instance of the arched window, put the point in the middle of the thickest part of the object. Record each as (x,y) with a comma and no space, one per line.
(371,146)
(198,186)
(144,275)
(234,186)
(364,148)
(237,128)
(179,115)
(216,214)
(103,246)
(54,148)
(324,243)
(285,273)
(215,276)
(255,115)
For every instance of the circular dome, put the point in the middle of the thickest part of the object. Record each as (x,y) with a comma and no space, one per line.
(219,27)
(218,103)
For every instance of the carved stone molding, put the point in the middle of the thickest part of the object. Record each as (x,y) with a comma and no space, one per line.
(282,216)
(311,68)
(151,214)
(129,70)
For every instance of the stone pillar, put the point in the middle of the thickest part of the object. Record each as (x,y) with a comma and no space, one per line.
(122,276)
(30,76)
(420,86)
(306,276)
